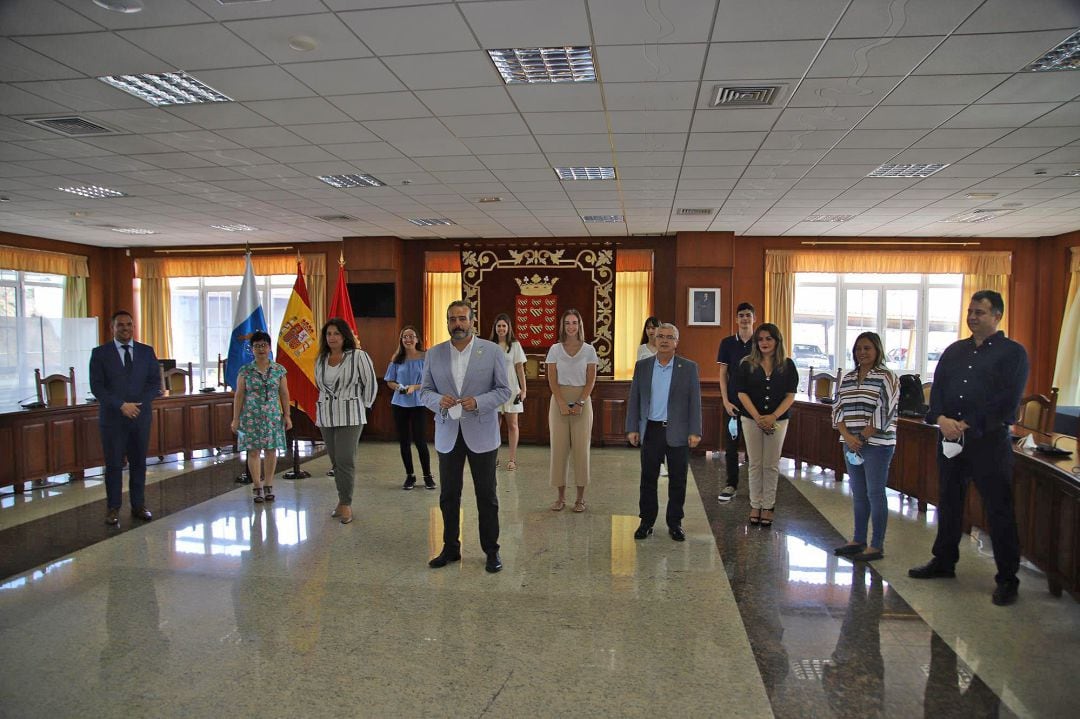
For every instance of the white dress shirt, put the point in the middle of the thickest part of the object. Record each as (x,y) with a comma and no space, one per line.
(459,363)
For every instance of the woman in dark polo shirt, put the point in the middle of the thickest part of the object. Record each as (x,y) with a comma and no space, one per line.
(767,381)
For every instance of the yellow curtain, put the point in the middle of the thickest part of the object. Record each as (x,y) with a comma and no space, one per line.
(52,263)
(75,297)
(1067,369)
(155,315)
(440,289)
(315,276)
(633,304)
(981,270)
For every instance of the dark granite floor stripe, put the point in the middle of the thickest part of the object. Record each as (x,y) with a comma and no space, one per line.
(36,542)
(831,638)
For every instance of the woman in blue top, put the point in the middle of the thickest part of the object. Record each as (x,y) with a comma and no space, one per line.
(403,377)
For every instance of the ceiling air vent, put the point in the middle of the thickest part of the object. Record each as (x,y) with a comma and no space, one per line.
(977,216)
(694,211)
(828,218)
(745,95)
(72,126)
(336,218)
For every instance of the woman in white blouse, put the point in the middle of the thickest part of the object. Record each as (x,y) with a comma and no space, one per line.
(502,334)
(647,348)
(346,381)
(571,374)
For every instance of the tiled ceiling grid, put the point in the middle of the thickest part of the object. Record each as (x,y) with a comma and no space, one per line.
(403,90)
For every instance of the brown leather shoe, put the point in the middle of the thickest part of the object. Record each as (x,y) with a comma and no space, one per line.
(141,513)
(112,517)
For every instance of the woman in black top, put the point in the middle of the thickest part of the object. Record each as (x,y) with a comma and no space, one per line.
(767,381)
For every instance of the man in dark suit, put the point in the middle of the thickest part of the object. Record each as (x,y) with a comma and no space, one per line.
(125,379)
(664,416)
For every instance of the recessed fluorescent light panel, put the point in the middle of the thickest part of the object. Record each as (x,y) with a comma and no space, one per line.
(585,173)
(1065,56)
(1072,173)
(133,230)
(912,170)
(981,195)
(526,66)
(602,218)
(431,221)
(93,191)
(235,228)
(977,216)
(828,218)
(167,88)
(344,182)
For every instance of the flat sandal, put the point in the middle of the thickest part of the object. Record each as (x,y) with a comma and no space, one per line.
(755,516)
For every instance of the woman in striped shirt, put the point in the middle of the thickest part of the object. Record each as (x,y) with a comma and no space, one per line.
(865,414)
(346,381)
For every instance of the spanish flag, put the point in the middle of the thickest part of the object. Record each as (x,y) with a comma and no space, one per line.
(298,346)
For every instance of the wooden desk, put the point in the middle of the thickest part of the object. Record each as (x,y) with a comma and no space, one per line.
(1046,493)
(44,442)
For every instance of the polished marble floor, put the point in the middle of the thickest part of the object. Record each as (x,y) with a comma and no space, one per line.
(223,606)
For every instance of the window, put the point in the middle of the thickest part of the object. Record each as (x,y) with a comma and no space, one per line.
(31,294)
(915,315)
(202,317)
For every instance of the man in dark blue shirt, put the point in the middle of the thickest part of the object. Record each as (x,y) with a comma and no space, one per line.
(731,353)
(977,388)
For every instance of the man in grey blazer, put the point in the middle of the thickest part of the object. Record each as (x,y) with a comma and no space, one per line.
(664,417)
(464,384)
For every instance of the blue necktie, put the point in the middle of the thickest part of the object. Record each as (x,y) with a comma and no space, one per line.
(127,357)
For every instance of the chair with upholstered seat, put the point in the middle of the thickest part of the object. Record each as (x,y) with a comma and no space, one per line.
(1036,412)
(177,380)
(56,390)
(823,386)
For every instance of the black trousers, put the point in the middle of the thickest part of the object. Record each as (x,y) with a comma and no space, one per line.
(654,450)
(988,461)
(451,475)
(411,425)
(731,450)
(126,438)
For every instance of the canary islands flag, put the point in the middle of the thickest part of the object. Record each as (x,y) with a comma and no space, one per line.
(247,319)
(297,347)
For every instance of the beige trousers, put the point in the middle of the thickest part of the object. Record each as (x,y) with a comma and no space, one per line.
(570,437)
(763,455)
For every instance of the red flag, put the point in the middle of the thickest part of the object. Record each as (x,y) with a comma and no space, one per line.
(297,346)
(341,306)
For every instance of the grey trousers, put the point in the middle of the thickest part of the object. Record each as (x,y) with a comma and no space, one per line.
(341,446)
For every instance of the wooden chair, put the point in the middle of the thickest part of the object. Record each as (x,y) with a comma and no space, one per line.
(1036,412)
(56,390)
(820,386)
(177,380)
(926,386)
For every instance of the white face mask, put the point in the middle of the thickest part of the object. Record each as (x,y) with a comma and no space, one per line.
(952,449)
(733,427)
(454,412)
(854,458)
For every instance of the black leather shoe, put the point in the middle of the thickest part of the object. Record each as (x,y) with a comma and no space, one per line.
(847,550)
(643,530)
(677,533)
(494,564)
(112,517)
(1005,594)
(931,570)
(141,513)
(446,556)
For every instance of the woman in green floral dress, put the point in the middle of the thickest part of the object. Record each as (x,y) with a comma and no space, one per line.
(261,415)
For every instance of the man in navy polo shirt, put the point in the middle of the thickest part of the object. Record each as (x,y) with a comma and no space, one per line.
(731,353)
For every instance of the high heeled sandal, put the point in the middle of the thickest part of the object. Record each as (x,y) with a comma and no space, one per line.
(579,506)
(258,492)
(511,466)
(268,493)
(755,516)
(767,521)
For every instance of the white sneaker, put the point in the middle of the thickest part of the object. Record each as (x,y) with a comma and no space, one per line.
(663,470)
(727,495)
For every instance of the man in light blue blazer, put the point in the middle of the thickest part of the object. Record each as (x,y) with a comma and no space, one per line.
(464,384)
(663,415)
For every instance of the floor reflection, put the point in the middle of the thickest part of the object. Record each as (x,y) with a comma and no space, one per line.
(832,638)
(233,535)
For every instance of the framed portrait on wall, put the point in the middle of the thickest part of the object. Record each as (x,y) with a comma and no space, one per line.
(703,306)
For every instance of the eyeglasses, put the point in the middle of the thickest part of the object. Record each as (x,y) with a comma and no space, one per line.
(408,337)
(260,345)
(666,337)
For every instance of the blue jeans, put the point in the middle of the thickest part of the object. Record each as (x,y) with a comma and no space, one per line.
(868,490)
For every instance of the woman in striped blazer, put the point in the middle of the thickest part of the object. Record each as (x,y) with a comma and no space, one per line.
(865,414)
(346,381)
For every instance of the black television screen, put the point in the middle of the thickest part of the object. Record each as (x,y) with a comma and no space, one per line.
(372,299)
